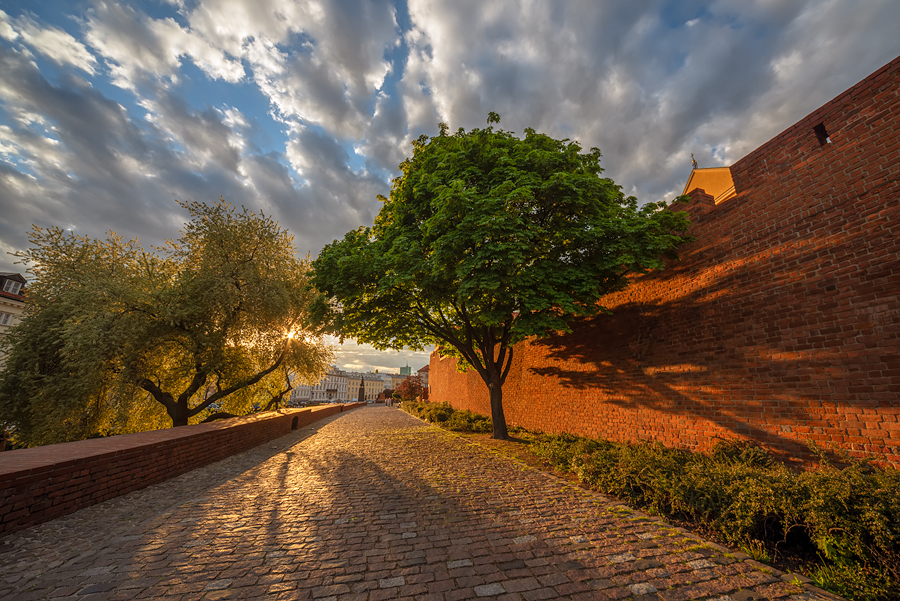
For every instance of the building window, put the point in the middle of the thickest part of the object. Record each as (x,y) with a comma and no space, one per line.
(5,319)
(12,287)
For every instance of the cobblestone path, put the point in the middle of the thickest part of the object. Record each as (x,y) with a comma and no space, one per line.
(368,505)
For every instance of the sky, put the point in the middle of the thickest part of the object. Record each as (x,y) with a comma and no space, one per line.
(110,111)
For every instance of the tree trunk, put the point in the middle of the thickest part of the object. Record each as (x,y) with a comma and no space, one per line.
(177,409)
(495,388)
(179,414)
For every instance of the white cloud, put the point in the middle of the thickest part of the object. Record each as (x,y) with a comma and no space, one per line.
(317,63)
(644,87)
(7,31)
(138,47)
(202,138)
(353,356)
(52,42)
(320,63)
(647,84)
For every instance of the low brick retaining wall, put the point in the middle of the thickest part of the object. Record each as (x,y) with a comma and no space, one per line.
(43,483)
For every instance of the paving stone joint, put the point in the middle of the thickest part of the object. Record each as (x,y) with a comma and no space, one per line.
(325,513)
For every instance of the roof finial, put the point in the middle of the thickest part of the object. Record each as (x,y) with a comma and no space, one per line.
(694,161)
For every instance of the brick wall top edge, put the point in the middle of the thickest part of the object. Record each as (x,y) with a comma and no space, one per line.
(879,76)
(24,460)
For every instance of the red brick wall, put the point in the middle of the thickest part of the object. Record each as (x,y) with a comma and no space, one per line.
(781,322)
(43,483)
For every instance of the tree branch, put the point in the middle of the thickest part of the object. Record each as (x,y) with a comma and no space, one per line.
(244,383)
(276,399)
(162,397)
(466,349)
(509,360)
(197,381)
(472,340)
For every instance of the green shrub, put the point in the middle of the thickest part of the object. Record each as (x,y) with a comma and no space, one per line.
(855,582)
(436,413)
(851,516)
(466,421)
(742,452)
(442,414)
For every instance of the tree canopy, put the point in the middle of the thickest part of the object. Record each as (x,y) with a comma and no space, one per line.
(120,339)
(411,388)
(488,239)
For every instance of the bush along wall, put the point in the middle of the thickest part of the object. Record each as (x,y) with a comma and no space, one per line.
(838,524)
(445,416)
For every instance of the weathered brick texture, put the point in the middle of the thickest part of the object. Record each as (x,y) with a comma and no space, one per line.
(781,322)
(43,483)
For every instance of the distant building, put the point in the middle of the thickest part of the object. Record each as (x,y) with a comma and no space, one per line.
(333,388)
(339,386)
(12,303)
(396,380)
(406,371)
(715,181)
(301,393)
(373,385)
(423,373)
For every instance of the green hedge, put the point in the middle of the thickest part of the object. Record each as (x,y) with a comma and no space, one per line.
(849,517)
(445,416)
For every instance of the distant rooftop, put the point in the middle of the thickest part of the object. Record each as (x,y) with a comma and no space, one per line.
(715,181)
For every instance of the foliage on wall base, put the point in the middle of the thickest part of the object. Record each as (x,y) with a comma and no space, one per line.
(443,415)
(846,517)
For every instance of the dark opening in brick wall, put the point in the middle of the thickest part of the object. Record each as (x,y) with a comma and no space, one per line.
(822,134)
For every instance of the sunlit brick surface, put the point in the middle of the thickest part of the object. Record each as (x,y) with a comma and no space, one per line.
(780,323)
(46,482)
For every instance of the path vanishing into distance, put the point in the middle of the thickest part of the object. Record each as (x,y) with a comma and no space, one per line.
(368,505)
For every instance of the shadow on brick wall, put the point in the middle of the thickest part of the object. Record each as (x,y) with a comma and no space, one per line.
(804,357)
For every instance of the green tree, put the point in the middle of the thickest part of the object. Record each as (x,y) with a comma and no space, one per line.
(119,339)
(486,240)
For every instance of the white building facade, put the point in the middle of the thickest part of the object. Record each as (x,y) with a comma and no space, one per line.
(340,386)
(12,304)
(301,393)
(333,388)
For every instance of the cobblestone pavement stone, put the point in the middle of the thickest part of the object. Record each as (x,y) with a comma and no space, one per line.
(370,505)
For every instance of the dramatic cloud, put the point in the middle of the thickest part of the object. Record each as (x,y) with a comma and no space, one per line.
(304,109)
(648,86)
(138,47)
(54,43)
